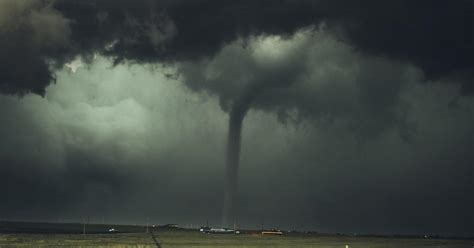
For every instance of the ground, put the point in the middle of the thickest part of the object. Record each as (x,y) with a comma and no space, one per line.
(179,238)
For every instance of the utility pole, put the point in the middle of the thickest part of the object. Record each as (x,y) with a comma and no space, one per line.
(84,222)
(83,225)
(147,220)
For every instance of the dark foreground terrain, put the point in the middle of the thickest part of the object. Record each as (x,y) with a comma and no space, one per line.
(51,235)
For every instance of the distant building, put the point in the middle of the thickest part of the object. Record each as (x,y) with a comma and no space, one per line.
(272,232)
(171,226)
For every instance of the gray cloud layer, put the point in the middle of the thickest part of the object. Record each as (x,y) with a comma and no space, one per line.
(97,144)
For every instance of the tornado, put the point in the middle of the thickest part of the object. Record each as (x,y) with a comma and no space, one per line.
(237,114)
(236,117)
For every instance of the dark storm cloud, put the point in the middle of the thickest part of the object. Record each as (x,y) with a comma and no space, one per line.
(33,38)
(435,35)
(308,76)
(164,30)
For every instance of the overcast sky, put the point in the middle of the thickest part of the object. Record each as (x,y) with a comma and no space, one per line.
(357,118)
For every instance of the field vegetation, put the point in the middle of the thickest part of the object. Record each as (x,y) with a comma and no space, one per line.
(167,237)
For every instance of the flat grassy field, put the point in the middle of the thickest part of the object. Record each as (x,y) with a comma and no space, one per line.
(177,238)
